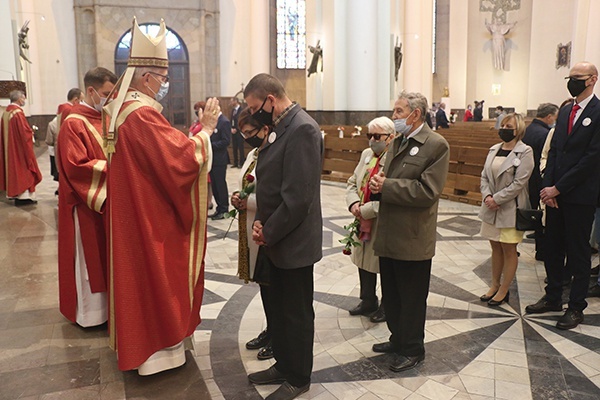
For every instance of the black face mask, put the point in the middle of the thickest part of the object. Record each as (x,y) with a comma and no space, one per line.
(506,134)
(254,141)
(576,86)
(263,117)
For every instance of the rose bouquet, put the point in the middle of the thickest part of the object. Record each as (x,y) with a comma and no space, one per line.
(246,191)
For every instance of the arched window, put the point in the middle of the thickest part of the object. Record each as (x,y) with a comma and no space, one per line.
(177,102)
(291,34)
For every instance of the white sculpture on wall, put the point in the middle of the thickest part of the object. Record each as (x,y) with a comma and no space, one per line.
(498,31)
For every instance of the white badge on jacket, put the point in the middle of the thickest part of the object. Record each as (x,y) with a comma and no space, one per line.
(586,122)
(516,162)
(414,151)
(272,137)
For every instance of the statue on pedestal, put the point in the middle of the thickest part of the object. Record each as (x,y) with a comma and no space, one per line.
(317,54)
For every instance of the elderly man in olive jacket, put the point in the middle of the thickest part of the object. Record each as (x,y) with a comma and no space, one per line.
(411,183)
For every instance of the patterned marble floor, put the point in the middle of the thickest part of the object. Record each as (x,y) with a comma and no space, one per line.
(473,351)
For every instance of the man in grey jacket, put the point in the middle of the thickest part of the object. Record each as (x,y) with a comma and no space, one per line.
(413,178)
(288,227)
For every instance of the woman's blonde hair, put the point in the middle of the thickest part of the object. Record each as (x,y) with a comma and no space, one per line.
(519,124)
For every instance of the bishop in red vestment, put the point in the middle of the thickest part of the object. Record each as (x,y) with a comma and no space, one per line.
(81,227)
(157,200)
(19,172)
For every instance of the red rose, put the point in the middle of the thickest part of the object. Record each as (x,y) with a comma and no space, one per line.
(347,252)
(250,178)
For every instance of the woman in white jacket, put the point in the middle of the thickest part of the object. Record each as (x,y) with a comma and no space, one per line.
(504,188)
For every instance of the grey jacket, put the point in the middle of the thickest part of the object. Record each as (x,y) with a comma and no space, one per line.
(288,191)
(508,184)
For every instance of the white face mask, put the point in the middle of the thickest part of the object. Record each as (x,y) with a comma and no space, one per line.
(162,91)
(401,126)
(98,106)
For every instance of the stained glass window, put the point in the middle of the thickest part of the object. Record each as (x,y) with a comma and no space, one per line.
(291,34)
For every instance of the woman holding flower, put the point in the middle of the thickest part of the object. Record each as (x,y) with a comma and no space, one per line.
(365,208)
(244,202)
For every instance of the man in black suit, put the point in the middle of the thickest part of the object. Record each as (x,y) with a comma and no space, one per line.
(288,227)
(535,137)
(441,120)
(570,192)
(237,141)
(219,142)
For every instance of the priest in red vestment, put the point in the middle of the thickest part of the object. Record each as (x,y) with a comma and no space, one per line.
(157,204)
(19,172)
(81,160)
(64,109)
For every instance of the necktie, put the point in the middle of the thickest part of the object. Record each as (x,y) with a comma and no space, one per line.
(574,110)
(404,140)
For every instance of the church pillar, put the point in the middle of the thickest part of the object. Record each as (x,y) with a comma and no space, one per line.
(458,53)
(418,22)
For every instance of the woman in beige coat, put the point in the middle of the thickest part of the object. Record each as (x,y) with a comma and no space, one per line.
(365,207)
(504,185)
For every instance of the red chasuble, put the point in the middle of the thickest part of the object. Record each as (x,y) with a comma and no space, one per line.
(157,199)
(18,166)
(63,112)
(81,161)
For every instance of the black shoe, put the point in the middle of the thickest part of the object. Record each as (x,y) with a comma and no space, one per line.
(261,340)
(287,391)
(363,309)
(218,216)
(266,377)
(24,202)
(495,303)
(570,320)
(542,306)
(266,352)
(530,236)
(594,291)
(379,315)
(403,363)
(595,270)
(385,347)
(486,297)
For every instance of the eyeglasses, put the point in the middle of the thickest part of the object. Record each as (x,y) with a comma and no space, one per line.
(165,77)
(578,77)
(248,134)
(377,136)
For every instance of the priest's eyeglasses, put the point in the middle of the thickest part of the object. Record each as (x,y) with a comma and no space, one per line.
(165,77)
(377,136)
(249,134)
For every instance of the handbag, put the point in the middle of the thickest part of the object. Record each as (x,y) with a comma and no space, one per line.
(528,220)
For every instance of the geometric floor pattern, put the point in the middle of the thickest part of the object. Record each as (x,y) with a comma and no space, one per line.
(472,351)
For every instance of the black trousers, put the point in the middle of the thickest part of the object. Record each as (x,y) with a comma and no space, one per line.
(237,143)
(368,284)
(568,230)
(264,295)
(219,187)
(292,322)
(405,286)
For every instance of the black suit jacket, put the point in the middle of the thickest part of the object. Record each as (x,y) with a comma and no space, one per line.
(535,137)
(574,160)
(234,117)
(220,140)
(441,120)
(288,192)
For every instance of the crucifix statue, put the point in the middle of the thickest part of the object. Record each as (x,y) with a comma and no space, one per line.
(317,54)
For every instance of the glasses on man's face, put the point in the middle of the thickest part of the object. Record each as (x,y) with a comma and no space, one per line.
(249,133)
(377,136)
(165,77)
(579,77)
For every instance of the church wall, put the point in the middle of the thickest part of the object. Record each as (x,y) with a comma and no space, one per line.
(52,51)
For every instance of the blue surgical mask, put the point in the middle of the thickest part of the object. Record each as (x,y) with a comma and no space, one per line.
(401,126)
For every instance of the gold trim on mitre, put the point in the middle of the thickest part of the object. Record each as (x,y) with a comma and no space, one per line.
(146,51)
